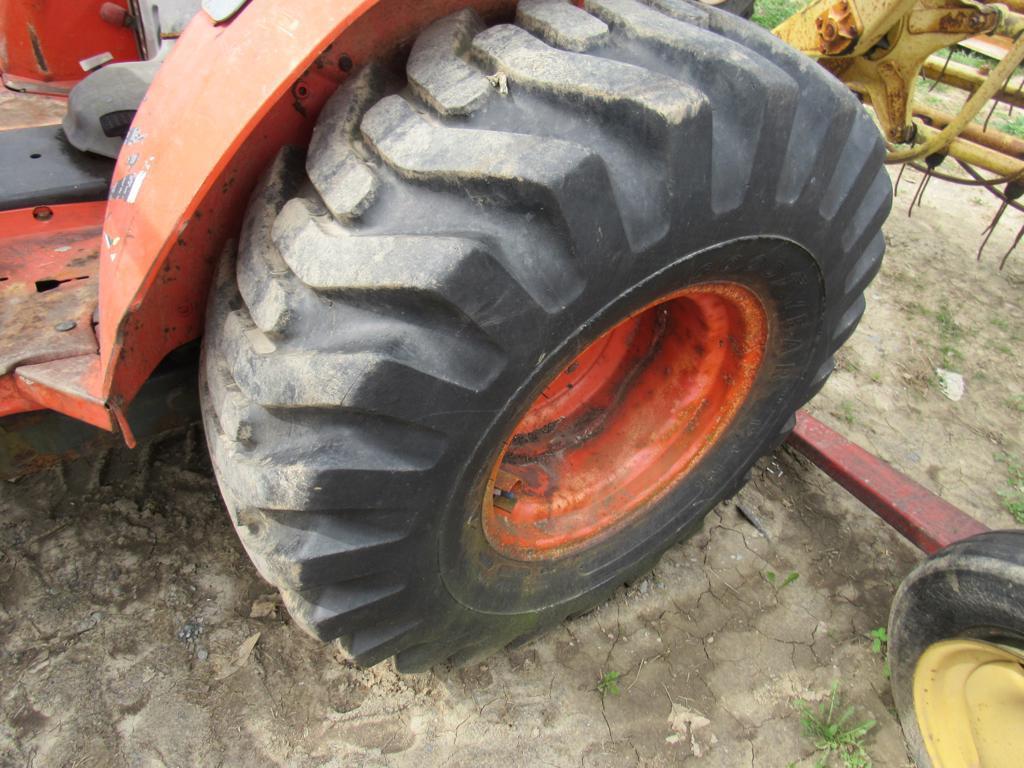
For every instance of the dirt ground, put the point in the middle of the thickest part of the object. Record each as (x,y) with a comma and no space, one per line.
(128,612)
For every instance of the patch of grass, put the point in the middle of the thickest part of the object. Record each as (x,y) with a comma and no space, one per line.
(770,13)
(609,684)
(951,334)
(967,56)
(1016,403)
(1013,494)
(846,361)
(913,308)
(950,357)
(948,326)
(827,726)
(876,377)
(1000,322)
(846,412)
(1014,126)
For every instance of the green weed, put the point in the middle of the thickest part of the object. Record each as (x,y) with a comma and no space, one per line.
(846,412)
(827,728)
(880,645)
(609,684)
(879,639)
(1013,494)
(772,579)
(951,334)
(948,326)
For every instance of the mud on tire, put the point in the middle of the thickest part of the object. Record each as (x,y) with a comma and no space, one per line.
(404,288)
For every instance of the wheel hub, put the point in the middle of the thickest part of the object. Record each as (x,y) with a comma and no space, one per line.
(625,421)
(969,703)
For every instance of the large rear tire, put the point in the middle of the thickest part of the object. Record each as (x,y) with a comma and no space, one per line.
(450,244)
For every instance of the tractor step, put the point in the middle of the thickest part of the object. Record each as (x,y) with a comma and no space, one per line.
(49,263)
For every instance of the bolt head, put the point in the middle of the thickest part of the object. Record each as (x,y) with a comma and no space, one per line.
(65,325)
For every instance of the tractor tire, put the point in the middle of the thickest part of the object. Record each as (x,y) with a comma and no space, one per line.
(741,8)
(969,597)
(407,292)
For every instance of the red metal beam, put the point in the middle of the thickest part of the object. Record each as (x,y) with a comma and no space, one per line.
(925,519)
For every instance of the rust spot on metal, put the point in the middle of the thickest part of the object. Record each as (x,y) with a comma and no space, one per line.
(838,30)
(624,421)
(37,50)
(51,280)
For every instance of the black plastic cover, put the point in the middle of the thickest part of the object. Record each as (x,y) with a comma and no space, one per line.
(39,167)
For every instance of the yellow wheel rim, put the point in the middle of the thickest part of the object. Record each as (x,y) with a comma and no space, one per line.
(969,703)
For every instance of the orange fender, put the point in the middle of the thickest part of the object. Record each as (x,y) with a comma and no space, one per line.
(222,104)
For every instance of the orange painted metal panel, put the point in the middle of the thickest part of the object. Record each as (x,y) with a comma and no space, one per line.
(44,41)
(63,386)
(11,400)
(48,274)
(48,269)
(627,419)
(226,99)
(222,104)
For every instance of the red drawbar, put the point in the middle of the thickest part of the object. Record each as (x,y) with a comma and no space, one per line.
(625,421)
(927,520)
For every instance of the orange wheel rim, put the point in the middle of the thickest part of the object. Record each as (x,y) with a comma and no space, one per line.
(625,421)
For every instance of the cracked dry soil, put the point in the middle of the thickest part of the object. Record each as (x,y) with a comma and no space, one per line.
(122,609)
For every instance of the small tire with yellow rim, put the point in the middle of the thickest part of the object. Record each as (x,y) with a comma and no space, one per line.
(956,649)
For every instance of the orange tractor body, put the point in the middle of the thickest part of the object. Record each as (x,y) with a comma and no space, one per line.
(534,302)
(228,96)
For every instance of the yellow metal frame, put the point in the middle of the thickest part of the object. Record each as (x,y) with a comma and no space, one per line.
(879,47)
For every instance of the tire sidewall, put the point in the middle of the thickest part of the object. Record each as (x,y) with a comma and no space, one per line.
(971,589)
(789,284)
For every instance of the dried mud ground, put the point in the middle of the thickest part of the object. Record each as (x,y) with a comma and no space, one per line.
(123,609)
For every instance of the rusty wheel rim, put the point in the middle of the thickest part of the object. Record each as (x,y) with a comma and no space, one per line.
(625,421)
